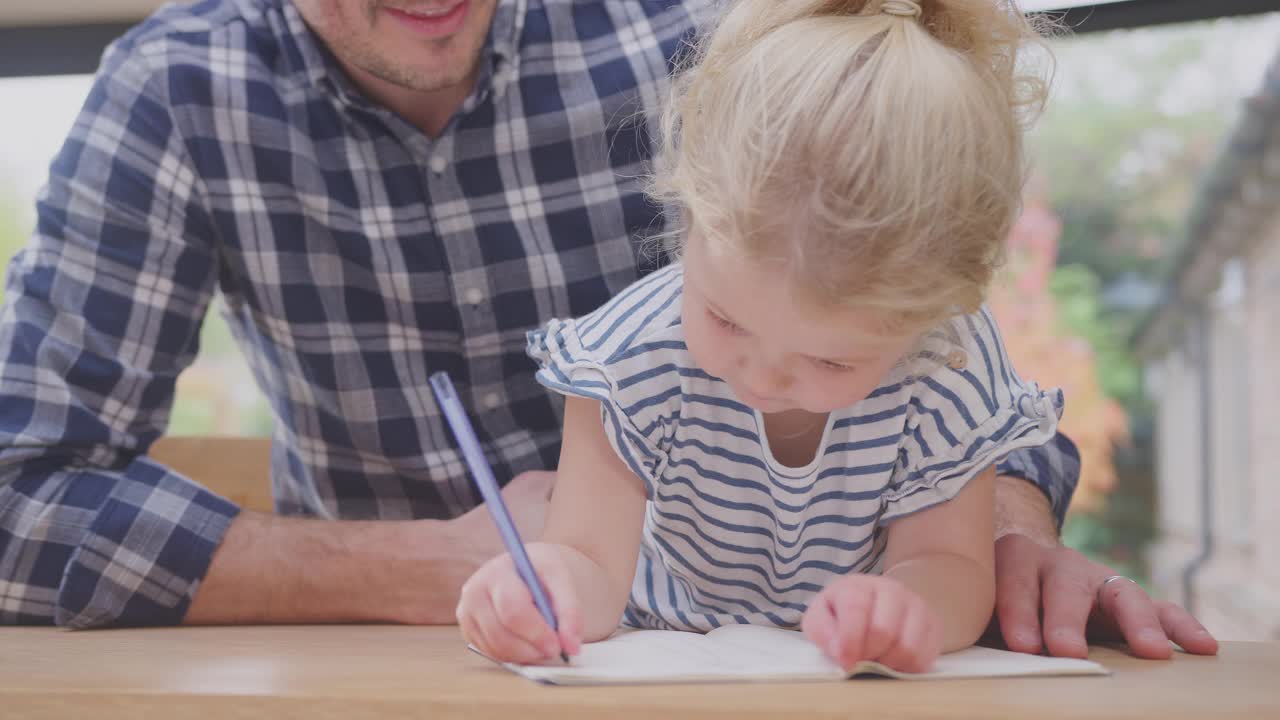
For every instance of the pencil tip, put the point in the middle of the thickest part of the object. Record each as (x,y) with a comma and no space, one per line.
(565,657)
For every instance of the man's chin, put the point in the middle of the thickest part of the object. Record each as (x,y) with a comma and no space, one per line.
(422,80)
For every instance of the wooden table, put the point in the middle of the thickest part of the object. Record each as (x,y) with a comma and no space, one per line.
(359,672)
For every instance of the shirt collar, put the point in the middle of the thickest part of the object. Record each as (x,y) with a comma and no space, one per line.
(508,25)
(499,63)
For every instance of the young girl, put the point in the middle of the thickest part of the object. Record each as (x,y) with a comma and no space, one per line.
(796,423)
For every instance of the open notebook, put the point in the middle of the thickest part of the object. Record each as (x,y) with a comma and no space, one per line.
(750,653)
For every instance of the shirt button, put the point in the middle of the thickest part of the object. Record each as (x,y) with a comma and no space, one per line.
(492,401)
(473,296)
(438,164)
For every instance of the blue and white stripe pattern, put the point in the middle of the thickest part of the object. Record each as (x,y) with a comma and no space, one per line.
(732,535)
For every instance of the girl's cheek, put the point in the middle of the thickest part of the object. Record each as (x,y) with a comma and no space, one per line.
(701,346)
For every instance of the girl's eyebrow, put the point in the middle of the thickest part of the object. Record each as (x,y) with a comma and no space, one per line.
(716,309)
(847,359)
(850,360)
(844,360)
(837,361)
(866,357)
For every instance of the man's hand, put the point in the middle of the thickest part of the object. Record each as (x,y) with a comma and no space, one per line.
(1076,605)
(472,539)
(1033,567)
(527,497)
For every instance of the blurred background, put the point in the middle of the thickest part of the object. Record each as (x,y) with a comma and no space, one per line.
(1144,275)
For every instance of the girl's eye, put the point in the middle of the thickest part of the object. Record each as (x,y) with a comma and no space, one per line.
(833,366)
(724,323)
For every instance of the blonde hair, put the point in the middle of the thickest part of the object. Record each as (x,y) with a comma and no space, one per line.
(874,145)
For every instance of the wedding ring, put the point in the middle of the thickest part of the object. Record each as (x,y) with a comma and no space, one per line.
(1110,579)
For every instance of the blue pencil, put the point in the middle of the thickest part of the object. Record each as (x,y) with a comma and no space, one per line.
(456,416)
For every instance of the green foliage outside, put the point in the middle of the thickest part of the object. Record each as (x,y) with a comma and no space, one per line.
(1135,120)
(1129,130)
(1078,290)
(11,234)
(1117,534)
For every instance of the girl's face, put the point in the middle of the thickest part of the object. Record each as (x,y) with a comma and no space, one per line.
(744,325)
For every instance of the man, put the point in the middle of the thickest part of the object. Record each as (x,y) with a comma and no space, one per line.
(378,189)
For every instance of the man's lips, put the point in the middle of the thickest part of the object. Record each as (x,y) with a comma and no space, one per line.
(433,20)
(435,12)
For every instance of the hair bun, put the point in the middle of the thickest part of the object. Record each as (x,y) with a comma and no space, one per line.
(901,8)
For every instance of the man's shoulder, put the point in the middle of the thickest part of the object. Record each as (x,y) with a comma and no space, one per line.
(231,38)
(625,20)
(651,7)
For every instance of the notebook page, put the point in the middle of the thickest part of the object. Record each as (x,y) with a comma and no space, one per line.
(788,654)
(767,651)
(747,653)
(977,662)
(634,656)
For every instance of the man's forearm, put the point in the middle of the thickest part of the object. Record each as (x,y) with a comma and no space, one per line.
(1022,508)
(272,569)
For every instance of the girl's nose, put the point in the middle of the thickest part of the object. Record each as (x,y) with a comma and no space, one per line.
(764,378)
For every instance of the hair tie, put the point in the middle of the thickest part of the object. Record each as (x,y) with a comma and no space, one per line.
(901,8)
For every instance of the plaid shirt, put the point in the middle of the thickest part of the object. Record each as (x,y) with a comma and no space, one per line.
(220,150)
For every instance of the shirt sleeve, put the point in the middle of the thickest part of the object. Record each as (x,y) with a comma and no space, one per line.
(1053,467)
(103,310)
(626,356)
(967,412)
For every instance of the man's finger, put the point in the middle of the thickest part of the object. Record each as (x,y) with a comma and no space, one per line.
(532,484)
(1185,630)
(1070,592)
(1018,592)
(1130,609)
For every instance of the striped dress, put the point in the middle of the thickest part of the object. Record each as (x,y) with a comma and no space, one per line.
(733,536)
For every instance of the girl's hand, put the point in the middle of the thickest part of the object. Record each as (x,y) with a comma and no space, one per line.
(871,617)
(497,614)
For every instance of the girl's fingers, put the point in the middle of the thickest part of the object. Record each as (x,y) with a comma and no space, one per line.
(914,651)
(820,626)
(853,607)
(482,628)
(564,602)
(467,624)
(505,645)
(465,614)
(514,608)
(884,624)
